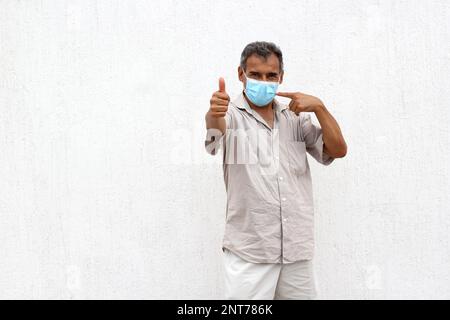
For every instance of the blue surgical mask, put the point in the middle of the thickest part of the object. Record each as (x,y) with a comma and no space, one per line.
(260,93)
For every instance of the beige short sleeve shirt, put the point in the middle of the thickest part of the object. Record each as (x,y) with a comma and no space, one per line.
(270,211)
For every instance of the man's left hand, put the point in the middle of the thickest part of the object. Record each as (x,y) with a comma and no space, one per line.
(301,102)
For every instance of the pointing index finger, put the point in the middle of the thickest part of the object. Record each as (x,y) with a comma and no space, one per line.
(290,95)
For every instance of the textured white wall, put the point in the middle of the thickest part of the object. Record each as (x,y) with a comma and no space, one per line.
(98,99)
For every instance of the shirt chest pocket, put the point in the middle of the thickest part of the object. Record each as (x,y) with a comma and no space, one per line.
(297,156)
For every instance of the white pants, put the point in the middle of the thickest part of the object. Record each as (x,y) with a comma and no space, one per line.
(267,281)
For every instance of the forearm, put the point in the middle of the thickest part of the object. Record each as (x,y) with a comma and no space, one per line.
(334,143)
(215,122)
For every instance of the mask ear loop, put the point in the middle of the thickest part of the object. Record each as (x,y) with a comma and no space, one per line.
(246,78)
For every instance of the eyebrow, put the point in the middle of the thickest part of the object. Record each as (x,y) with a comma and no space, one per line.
(268,73)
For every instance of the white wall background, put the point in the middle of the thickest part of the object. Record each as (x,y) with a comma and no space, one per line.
(106,190)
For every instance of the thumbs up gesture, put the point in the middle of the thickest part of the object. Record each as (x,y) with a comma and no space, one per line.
(219,101)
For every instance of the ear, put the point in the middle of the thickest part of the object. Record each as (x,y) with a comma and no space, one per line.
(241,74)
(281,77)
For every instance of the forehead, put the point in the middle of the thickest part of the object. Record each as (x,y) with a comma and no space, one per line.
(260,64)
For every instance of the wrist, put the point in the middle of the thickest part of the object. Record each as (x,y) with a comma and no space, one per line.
(208,115)
(319,108)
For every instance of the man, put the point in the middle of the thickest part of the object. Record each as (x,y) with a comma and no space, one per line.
(268,242)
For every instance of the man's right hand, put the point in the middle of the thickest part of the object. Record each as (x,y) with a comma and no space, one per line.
(219,101)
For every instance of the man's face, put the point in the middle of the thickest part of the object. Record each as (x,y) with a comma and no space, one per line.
(261,69)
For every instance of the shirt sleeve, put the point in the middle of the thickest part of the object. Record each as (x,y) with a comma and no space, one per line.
(214,137)
(312,136)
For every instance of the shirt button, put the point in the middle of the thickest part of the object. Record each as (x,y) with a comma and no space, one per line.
(284,199)
(281,178)
(285,219)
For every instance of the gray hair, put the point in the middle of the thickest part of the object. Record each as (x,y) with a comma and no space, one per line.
(263,49)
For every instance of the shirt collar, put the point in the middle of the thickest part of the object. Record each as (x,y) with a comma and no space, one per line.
(242,104)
